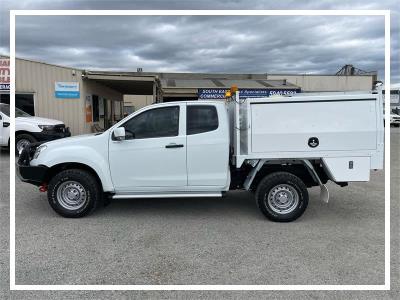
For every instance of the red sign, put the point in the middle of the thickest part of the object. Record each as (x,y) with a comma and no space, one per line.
(4,74)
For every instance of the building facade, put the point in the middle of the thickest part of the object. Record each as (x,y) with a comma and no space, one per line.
(89,106)
(89,101)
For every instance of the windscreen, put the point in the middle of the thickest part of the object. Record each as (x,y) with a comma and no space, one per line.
(21,113)
(5,109)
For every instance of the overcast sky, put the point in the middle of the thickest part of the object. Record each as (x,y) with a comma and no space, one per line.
(204,44)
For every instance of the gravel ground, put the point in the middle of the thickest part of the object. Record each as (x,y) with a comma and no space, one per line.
(204,241)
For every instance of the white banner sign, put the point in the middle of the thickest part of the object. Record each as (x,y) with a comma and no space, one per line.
(68,90)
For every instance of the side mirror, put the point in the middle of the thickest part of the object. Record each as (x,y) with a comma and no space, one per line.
(119,133)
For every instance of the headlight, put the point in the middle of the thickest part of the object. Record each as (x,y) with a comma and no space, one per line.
(46,127)
(39,149)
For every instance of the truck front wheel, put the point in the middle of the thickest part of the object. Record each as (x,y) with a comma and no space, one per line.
(282,197)
(73,193)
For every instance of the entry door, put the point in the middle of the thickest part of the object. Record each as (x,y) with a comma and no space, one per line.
(153,153)
(107,113)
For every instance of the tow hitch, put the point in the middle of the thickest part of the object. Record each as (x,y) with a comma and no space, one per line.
(43,187)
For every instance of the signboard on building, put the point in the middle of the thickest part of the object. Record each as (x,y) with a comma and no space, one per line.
(4,74)
(219,93)
(67,90)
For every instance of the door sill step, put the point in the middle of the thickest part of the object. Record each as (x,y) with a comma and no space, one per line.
(167,195)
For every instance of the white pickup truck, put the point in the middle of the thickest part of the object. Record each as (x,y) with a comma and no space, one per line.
(29,129)
(276,147)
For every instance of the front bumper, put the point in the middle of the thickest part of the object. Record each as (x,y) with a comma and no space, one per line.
(35,175)
(32,174)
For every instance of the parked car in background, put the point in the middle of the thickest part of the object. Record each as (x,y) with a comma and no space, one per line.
(394,119)
(30,129)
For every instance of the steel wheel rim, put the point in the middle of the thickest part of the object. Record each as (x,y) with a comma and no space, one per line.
(283,198)
(21,144)
(71,195)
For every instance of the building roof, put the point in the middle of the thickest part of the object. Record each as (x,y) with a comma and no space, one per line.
(172,83)
(187,84)
(184,84)
(187,75)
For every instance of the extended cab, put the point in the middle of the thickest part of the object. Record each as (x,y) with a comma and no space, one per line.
(30,129)
(275,147)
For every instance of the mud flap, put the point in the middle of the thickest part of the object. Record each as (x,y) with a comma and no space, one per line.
(324,193)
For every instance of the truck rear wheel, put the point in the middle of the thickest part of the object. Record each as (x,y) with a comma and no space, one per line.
(282,197)
(73,193)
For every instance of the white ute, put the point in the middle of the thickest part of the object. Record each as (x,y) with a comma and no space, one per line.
(29,129)
(276,147)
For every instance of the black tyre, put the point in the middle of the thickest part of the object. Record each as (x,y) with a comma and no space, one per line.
(74,193)
(22,140)
(282,197)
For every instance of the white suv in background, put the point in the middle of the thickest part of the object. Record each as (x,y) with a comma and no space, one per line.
(4,127)
(29,129)
(394,119)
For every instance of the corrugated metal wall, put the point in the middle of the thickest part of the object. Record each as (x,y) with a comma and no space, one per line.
(328,83)
(39,79)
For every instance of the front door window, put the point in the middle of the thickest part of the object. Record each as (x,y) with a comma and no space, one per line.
(154,123)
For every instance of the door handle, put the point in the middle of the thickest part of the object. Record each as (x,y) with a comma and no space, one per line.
(174,146)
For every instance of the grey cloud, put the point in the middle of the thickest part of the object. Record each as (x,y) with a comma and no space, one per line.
(198,44)
(206,44)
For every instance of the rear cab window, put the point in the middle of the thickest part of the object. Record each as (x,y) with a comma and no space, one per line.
(201,118)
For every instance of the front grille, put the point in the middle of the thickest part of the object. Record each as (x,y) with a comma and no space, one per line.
(60,128)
